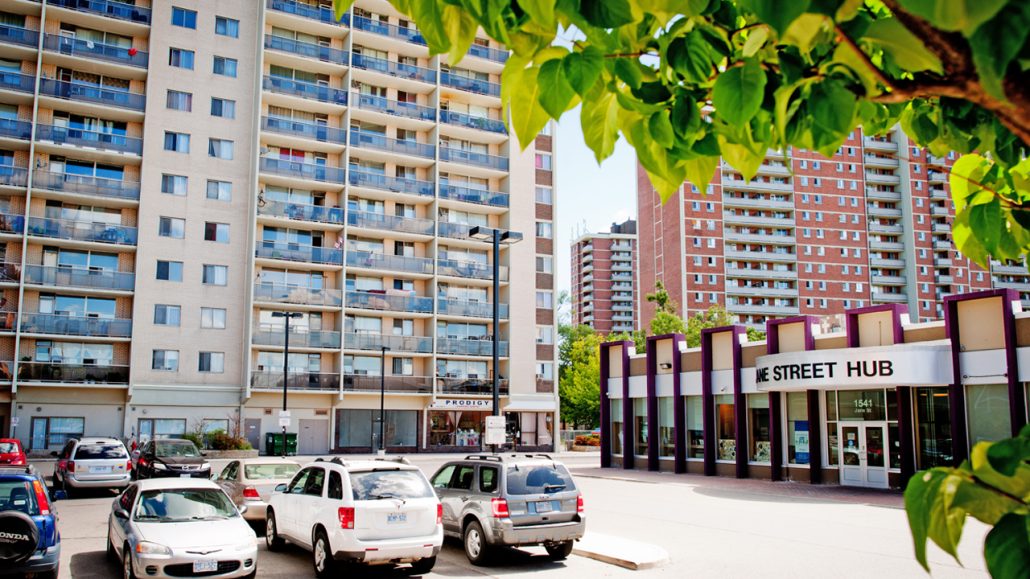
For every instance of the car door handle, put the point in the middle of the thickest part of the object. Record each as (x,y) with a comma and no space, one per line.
(465,498)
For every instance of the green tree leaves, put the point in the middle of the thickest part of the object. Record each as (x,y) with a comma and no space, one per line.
(779,15)
(1007,547)
(739,91)
(607,13)
(907,51)
(556,93)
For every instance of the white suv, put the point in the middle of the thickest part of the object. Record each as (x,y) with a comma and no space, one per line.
(374,512)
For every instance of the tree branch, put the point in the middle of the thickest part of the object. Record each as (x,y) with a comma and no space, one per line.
(880,75)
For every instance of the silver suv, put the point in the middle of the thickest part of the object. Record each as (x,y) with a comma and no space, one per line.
(510,500)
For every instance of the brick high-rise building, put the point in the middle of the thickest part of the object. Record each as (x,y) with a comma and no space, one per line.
(604,288)
(818,236)
(177,175)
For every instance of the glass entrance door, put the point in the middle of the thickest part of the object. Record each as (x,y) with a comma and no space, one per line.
(863,452)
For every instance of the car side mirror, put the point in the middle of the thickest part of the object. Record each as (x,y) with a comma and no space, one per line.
(243,509)
(121,514)
(203,454)
(54,454)
(280,488)
(60,495)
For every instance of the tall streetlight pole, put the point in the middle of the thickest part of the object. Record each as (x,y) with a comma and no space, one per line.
(286,365)
(382,399)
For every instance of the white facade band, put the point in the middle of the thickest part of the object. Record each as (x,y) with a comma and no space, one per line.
(855,368)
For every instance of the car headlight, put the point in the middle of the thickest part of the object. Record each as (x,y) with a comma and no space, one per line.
(205,466)
(160,466)
(147,548)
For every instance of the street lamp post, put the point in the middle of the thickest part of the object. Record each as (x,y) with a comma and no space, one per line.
(286,365)
(382,400)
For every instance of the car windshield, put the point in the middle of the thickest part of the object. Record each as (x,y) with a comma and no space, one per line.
(17,495)
(185,448)
(177,505)
(389,484)
(100,451)
(6,447)
(269,471)
(538,479)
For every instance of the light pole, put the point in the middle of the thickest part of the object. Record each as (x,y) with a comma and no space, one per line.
(382,399)
(496,237)
(286,365)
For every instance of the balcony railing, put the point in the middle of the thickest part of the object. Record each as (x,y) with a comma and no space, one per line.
(85,185)
(383,29)
(15,129)
(295,381)
(95,50)
(453,307)
(297,252)
(454,230)
(366,259)
(308,90)
(58,276)
(313,131)
(390,107)
(274,336)
(488,53)
(12,223)
(390,222)
(408,71)
(470,269)
(82,230)
(310,171)
(70,373)
(370,383)
(363,341)
(370,140)
(37,323)
(470,347)
(470,84)
(473,122)
(478,196)
(87,138)
(19,35)
(396,184)
(320,13)
(17,81)
(389,302)
(301,212)
(119,10)
(11,176)
(85,92)
(291,294)
(308,49)
(453,385)
(9,272)
(473,158)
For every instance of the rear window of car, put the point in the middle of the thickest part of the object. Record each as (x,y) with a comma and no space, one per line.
(6,447)
(538,479)
(100,451)
(17,495)
(269,471)
(389,484)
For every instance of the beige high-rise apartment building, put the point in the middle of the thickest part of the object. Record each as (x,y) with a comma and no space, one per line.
(175,175)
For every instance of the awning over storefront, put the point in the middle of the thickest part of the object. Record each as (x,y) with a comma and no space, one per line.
(856,368)
(529,403)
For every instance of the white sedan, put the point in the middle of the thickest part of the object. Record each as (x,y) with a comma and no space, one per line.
(179,528)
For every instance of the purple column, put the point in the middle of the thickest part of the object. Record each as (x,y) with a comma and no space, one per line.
(679,411)
(956,393)
(606,408)
(707,402)
(739,406)
(652,403)
(628,431)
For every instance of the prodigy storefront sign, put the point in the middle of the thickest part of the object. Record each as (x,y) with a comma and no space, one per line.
(900,365)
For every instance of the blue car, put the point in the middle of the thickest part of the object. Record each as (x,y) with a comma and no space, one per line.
(29,539)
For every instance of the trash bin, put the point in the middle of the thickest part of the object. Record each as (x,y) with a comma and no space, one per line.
(274,443)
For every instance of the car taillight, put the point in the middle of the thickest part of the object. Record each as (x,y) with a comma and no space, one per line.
(346,515)
(439,513)
(44,504)
(71,466)
(499,508)
(128,465)
(251,493)
(579,504)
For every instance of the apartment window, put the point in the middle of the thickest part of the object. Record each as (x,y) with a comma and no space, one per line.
(184,18)
(818,199)
(165,315)
(544,264)
(695,205)
(545,370)
(804,164)
(544,195)
(218,232)
(545,335)
(806,232)
(816,165)
(212,318)
(711,243)
(804,180)
(166,360)
(174,184)
(543,229)
(172,227)
(225,66)
(919,202)
(845,287)
(220,149)
(843,252)
(711,225)
(215,275)
(179,101)
(169,270)
(213,362)
(224,108)
(181,58)
(219,190)
(841,202)
(543,161)
(545,299)
(177,142)
(227,27)
(697,260)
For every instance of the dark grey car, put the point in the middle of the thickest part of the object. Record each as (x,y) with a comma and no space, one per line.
(510,500)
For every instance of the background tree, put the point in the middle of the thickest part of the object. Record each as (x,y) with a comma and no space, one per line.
(579,376)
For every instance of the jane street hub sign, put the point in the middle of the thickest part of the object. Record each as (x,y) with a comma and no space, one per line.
(899,365)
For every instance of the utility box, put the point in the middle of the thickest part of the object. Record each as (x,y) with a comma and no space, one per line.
(274,443)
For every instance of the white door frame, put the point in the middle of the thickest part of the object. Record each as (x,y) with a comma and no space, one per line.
(862,474)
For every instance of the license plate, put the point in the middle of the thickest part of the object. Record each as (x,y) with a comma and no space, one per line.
(99,469)
(544,507)
(396,518)
(205,566)
(185,475)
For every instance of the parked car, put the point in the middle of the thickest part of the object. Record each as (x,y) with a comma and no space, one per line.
(370,512)
(12,453)
(249,482)
(179,528)
(513,500)
(29,539)
(93,463)
(172,458)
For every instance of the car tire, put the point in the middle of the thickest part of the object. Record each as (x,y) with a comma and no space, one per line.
(559,551)
(52,574)
(474,541)
(127,571)
(322,556)
(423,566)
(272,539)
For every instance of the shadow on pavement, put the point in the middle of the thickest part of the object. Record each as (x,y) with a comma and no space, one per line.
(93,565)
(804,493)
(506,561)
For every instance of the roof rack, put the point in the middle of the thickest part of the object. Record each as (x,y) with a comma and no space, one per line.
(338,460)
(397,459)
(27,469)
(537,455)
(497,457)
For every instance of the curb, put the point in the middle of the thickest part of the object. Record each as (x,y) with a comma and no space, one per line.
(622,553)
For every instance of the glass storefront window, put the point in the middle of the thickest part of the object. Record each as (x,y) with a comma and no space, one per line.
(759,440)
(894,436)
(988,408)
(456,428)
(355,428)
(832,448)
(666,428)
(617,434)
(640,426)
(797,428)
(861,405)
(725,428)
(529,428)
(695,427)
(933,428)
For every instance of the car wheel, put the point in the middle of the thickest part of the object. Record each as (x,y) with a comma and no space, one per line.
(559,551)
(423,566)
(322,556)
(52,574)
(476,548)
(272,539)
(127,572)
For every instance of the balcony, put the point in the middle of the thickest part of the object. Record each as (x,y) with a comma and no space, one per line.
(469,269)
(473,85)
(17,82)
(65,325)
(939,244)
(730,182)
(883,211)
(897,298)
(382,261)
(939,211)
(760,203)
(301,212)
(19,35)
(78,91)
(879,144)
(295,381)
(941,228)
(454,230)
(766,219)
(365,341)
(470,346)
(360,178)
(307,90)
(87,138)
(385,302)
(369,140)
(745,272)
(299,253)
(383,29)
(119,10)
(473,158)
(298,170)
(82,231)
(760,255)
(477,196)
(307,49)
(71,373)
(938,193)
(1005,269)
(319,13)
(877,161)
(886,245)
(886,227)
(11,176)
(373,383)
(91,50)
(469,385)
(395,69)
(385,222)
(11,223)
(888,280)
(761,291)
(488,53)
(453,307)
(85,185)
(299,337)
(299,295)
(81,278)
(877,178)
(945,279)
(766,309)
(473,122)
(313,131)
(15,129)
(889,262)
(390,107)
(875,194)
(936,177)
(942,262)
